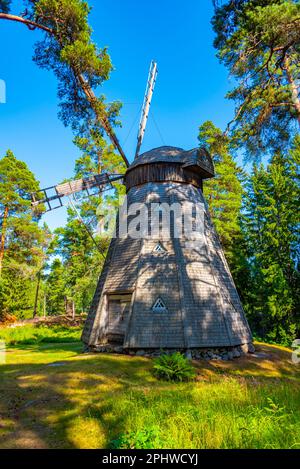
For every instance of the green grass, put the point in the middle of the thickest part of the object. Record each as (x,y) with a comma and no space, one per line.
(33,334)
(53,396)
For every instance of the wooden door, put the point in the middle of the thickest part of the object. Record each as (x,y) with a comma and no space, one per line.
(118,314)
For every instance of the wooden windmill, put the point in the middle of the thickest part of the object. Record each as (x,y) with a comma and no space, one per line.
(157,292)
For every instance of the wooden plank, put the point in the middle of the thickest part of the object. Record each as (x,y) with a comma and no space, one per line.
(71,187)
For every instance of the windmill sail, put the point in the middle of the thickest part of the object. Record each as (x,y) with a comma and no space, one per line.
(146,105)
(53,196)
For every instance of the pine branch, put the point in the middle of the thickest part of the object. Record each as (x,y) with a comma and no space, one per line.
(30,24)
(86,88)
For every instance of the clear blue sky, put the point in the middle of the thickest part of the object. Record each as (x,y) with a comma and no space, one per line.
(190,87)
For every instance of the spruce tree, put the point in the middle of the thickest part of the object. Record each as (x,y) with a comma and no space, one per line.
(55,289)
(271,228)
(224,191)
(224,196)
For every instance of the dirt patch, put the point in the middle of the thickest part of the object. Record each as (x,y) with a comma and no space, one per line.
(50,321)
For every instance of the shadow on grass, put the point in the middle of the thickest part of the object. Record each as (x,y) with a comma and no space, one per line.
(40,400)
(268,362)
(54,396)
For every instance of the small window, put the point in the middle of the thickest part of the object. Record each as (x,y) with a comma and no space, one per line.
(159,248)
(159,306)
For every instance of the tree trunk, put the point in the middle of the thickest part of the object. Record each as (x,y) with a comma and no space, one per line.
(66,305)
(45,305)
(91,97)
(37,294)
(73,310)
(293,86)
(99,161)
(3,236)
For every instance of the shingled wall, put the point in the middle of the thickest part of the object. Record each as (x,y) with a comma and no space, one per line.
(203,306)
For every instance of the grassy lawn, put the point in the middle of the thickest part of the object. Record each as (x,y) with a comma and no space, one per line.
(53,396)
(34,334)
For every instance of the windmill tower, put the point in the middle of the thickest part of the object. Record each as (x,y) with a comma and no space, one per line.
(160,287)
(164,292)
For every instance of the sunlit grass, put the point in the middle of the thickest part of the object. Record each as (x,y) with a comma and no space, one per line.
(53,396)
(33,334)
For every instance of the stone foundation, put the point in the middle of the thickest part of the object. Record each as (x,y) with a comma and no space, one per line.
(215,353)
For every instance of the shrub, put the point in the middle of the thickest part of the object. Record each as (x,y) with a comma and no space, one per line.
(6,319)
(141,439)
(175,367)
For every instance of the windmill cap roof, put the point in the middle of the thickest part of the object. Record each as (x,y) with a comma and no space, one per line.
(166,154)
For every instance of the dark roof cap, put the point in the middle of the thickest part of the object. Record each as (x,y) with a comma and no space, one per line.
(188,158)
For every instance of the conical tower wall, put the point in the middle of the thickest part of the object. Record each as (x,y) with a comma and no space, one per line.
(199,303)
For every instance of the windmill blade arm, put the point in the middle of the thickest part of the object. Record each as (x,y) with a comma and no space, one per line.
(146,106)
(78,185)
(50,195)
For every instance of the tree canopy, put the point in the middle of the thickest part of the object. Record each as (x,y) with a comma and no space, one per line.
(23,241)
(80,66)
(270,226)
(259,43)
(224,191)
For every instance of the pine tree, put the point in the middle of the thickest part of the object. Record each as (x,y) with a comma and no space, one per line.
(16,183)
(81,260)
(97,156)
(79,65)
(258,41)
(82,251)
(23,241)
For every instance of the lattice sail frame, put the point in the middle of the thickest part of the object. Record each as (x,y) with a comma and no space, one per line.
(87,187)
